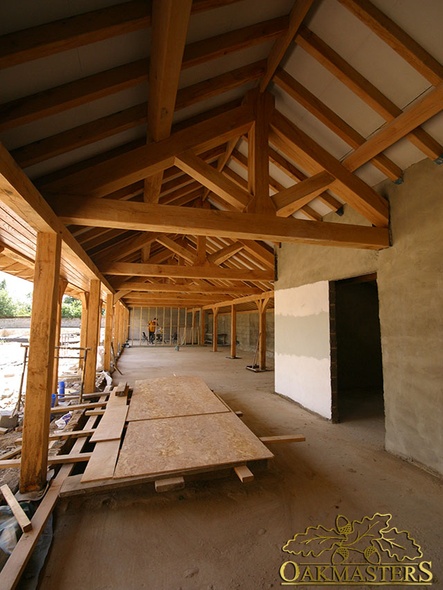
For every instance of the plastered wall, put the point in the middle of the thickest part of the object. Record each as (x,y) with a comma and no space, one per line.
(410,287)
(302,352)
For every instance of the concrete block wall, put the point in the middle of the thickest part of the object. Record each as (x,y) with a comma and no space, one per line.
(410,288)
(247,330)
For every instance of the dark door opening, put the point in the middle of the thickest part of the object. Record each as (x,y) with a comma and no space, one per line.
(358,391)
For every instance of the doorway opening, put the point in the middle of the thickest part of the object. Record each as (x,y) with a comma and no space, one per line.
(357,373)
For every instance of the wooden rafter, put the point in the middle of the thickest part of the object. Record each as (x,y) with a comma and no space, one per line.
(280,47)
(83,29)
(225,253)
(335,123)
(96,86)
(418,113)
(357,193)
(212,179)
(177,249)
(19,194)
(397,38)
(72,32)
(142,162)
(170,24)
(292,199)
(363,88)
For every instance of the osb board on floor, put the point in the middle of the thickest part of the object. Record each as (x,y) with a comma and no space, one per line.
(186,443)
(172,396)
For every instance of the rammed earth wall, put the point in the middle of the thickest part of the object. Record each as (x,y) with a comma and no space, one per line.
(410,288)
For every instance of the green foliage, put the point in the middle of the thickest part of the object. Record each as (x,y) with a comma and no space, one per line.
(7,305)
(10,307)
(23,309)
(71,307)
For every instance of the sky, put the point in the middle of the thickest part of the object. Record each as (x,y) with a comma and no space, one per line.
(17,288)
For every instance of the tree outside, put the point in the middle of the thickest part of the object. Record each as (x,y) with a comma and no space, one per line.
(71,307)
(11,307)
(7,305)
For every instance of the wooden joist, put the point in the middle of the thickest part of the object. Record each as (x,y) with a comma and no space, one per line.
(56,436)
(86,406)
(57,459)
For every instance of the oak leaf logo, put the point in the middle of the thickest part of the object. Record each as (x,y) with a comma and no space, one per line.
(366,539)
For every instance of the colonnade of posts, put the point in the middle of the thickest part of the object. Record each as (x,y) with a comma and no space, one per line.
(42,375)
(262,304)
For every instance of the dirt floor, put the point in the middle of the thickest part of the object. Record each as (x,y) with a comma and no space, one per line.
(221,534)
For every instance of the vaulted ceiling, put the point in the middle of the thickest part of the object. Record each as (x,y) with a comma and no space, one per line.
(178,142)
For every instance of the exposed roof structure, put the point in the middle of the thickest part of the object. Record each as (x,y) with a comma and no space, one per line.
(175,143)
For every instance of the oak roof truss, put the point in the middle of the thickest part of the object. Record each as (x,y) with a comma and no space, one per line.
(174,144)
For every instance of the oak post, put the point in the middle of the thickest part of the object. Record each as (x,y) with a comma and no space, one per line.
(62,284)
(108,332)
(92,335)
(233,332)
(84,298)
(262,305)
(202,327)
(258,161)
(34,461)
(214,329)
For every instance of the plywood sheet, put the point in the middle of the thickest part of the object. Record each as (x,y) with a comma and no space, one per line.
(176,445)
(172,396)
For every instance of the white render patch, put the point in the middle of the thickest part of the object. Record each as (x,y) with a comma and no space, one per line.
(302,346)
(305,380)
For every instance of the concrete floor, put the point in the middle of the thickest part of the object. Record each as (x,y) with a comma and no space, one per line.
(221,534)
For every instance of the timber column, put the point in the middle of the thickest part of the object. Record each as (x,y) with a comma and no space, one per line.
(214,329)
(108,332)
(202,327)
(42,343)
(63,283)
(233,332)
(92,334)
(262,304)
